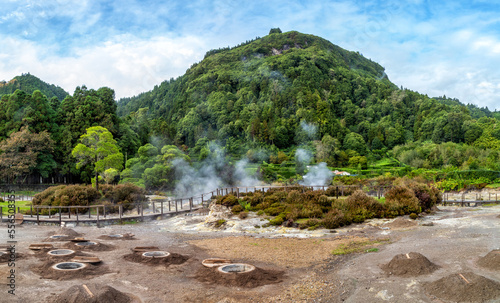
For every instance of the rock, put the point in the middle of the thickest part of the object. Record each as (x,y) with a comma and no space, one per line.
(428,224)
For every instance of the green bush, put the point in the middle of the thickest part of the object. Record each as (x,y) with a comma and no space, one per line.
(405,198)
(333,219)
(229,200)
(237,209)
(278,220)
(413,216)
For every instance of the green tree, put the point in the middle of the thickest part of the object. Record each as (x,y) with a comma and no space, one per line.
(24,152)
(98,149)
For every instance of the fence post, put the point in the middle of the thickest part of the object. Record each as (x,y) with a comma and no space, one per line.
(138,211)
(31,211)
(104,211)
(97,208)
(161,205)
(169,205)
(175,206)
(181,203)
(142,211)
(60,218)
(69,212)
(153,202)
(190,203)
(50,213)
(76,210)
(37,216)
(202,199)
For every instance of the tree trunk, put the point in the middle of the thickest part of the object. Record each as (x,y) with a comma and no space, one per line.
(96,175)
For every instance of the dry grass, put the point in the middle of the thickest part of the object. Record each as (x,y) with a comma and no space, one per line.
(284,252)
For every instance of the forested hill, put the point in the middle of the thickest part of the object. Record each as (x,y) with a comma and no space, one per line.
(270,91)
(29,83)
(262,89)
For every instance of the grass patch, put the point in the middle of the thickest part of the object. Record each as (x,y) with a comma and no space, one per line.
(23,206)
(493,185)
(129,222)
(357,246)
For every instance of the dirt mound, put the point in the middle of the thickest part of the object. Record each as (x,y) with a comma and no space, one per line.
(71,234)
(491,260)
(409,265)
(6,256)
(401,223)
(43,255)
(465,287)
(100,293)
(173,258)
(124,237)
(46,271)
(97,247)
(255,278)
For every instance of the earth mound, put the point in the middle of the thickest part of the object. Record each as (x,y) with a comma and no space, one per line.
(46,271)
(123,237)
(491,260)
(173,258)
(409,265)
(257,277)
(401,223)
(465,287)
(71,234)
(100,293)
(97,247)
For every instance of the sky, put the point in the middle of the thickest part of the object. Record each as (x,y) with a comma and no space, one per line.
(437,48)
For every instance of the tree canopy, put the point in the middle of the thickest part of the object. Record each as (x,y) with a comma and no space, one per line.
(98,149)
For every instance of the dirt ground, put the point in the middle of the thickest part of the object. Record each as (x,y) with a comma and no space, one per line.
(291,265)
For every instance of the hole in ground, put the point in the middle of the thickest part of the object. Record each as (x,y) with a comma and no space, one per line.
(236,268)
(69,266)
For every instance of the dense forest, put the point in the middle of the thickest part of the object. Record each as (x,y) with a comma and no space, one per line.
(263,100)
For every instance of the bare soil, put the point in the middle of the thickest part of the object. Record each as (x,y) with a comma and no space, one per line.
(292,265)
(93,293)
(409,265)
(257,277)
(173,258)
(464,287)
(491,260)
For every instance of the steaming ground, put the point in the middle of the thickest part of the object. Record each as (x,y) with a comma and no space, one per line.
(457,240)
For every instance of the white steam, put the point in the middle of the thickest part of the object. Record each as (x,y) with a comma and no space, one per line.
(303,156)
(214,172)
(317,175)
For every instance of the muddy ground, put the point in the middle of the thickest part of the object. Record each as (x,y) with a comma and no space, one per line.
(296,266)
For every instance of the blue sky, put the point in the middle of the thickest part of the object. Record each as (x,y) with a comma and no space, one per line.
(438,48)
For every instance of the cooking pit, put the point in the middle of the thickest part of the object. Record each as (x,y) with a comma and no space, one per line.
(69,266)
(156,254)
(85,244)
(239,268)
(61,252)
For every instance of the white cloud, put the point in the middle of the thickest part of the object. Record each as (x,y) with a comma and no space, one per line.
(128,64)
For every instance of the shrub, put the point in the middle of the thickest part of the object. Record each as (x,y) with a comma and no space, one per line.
(243,215)
(237,209)
(229,200)
(311,210)
(406,199)
(278,220)
(294,197)
(219,223)
(333,219)
(256,198)
(67,195)
(124,193)
(413,216)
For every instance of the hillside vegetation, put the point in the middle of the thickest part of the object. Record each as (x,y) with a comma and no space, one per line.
(283,102)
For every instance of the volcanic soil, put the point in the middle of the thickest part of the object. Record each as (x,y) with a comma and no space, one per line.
(393,261)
